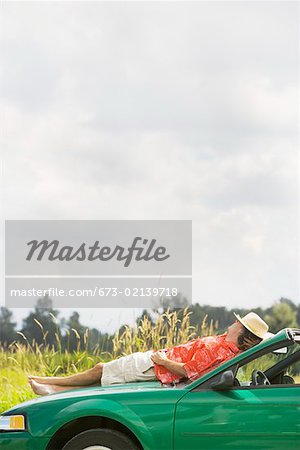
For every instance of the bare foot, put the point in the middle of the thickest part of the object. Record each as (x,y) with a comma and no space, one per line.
(40,389)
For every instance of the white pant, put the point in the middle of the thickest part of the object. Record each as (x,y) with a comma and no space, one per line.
(130,368)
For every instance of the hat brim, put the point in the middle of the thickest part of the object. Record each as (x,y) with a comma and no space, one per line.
(266,336)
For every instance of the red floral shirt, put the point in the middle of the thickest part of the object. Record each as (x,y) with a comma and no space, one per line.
(199,356)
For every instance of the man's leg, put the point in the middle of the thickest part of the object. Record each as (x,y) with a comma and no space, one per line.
(86,378)
(46,389)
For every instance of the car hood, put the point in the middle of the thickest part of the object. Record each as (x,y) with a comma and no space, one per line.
(90,392)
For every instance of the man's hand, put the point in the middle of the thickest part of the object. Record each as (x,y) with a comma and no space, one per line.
(159,358)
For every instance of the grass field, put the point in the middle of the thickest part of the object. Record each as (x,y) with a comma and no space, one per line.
(23,359)
(14,387)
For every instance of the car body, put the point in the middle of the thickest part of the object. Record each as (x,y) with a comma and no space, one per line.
(217,411)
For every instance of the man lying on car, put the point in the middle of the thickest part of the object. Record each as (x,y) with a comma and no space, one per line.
(172,365)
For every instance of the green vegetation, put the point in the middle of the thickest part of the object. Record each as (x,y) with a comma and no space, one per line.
(48,346)
(19,360)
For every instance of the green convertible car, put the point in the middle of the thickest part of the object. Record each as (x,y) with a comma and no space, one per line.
(251,401)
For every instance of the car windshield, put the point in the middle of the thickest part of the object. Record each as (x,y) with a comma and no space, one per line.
(277,365)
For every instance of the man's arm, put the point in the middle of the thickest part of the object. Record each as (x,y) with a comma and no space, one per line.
(173,366)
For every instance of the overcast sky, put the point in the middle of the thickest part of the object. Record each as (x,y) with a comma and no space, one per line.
(164,110)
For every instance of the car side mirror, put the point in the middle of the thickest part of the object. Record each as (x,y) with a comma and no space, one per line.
(225,381)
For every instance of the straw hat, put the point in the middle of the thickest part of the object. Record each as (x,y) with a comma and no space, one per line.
(255,324)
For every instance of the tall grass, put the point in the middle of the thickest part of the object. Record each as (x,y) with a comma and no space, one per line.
(170,328)
(23,358)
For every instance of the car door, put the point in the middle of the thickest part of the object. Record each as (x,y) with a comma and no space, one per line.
(262,417)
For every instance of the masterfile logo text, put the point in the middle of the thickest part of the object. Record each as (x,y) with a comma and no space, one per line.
(101,263)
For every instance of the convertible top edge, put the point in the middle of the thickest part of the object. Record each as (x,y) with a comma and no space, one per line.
(294,334)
